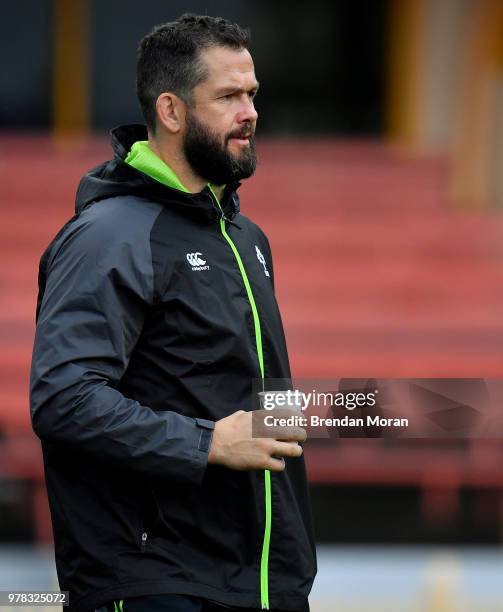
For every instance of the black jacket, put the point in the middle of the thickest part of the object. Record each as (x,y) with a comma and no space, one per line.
(146,336)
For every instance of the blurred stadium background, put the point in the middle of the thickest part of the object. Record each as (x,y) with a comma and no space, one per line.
(381,187)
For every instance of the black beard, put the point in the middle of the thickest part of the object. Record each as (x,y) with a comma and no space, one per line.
(211,160)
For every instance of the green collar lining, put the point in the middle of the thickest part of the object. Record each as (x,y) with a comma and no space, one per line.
(145,160)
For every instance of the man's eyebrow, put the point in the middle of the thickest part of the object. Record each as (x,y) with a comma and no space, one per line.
(233,89)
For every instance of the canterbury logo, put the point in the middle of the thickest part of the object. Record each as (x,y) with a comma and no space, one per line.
(262,260)
(194,259)
(196,262)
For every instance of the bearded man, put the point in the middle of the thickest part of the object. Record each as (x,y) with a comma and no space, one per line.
(156,312)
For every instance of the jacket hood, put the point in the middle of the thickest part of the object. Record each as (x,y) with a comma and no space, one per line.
(117,178)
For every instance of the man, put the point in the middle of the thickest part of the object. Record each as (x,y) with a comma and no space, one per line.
(156,312)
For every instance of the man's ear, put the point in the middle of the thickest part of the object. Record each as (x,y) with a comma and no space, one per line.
(170,112)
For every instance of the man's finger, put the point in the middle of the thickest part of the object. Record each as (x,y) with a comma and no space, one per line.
(289,434)
(275,464)
(287,449)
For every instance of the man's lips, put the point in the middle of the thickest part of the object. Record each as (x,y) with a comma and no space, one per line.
(242,138)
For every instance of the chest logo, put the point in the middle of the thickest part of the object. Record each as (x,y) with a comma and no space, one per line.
(262,260)
(196,262)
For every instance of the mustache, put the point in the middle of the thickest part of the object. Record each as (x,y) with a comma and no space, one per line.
(245,132)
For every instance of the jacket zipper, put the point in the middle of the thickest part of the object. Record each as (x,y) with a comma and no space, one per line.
(264,561)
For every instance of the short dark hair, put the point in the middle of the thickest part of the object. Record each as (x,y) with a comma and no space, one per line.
(169,57)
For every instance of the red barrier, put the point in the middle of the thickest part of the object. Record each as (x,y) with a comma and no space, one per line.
(376,273)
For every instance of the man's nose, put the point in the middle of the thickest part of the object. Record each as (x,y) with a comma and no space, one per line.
(248,112)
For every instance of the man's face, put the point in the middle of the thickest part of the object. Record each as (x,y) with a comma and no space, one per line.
(218,142)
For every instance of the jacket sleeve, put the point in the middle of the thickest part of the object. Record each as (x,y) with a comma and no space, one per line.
(99,285)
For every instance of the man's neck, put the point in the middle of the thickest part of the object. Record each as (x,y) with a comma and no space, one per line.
(181,168)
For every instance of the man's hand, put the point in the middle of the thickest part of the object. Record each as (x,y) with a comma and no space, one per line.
(234,447)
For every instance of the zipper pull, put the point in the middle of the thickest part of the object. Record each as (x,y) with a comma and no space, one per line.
(144,538)
(223,215)
(227,220)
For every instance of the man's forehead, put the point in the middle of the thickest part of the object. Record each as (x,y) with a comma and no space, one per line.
(228,64)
